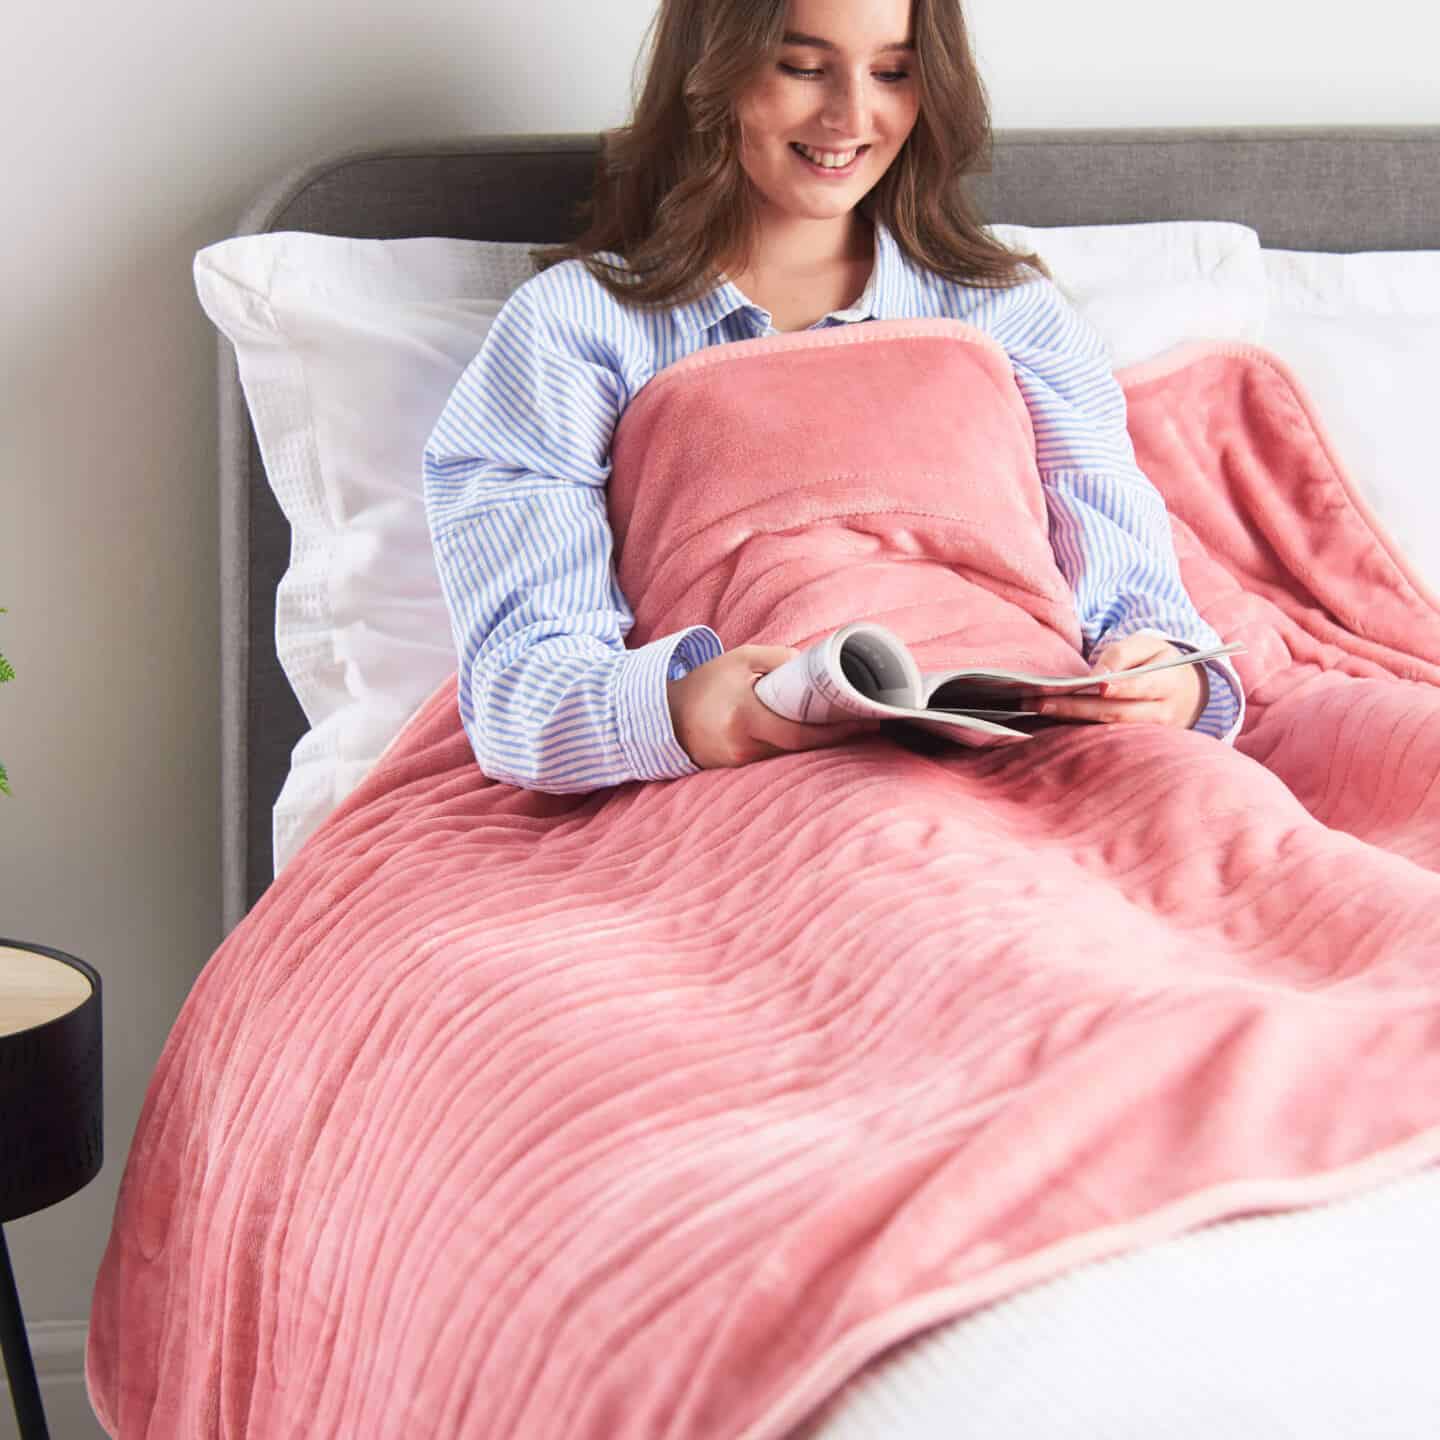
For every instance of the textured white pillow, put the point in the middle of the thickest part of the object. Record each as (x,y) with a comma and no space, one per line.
(348,351)
(1362,334)
(1148,287)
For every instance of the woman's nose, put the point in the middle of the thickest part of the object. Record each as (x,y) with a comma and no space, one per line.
(847,103)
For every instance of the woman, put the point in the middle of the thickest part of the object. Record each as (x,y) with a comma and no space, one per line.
(789,166)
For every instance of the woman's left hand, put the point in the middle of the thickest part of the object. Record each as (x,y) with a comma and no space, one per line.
(1164,697)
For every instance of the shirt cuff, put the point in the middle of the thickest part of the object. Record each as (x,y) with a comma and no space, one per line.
(1224,709)
(642,703)
(697,645)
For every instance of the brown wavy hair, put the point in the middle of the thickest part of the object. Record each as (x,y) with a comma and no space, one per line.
(671,198)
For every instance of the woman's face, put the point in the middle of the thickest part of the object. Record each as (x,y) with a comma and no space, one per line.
(823,120)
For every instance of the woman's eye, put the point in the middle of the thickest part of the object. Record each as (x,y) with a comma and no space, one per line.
(888,77)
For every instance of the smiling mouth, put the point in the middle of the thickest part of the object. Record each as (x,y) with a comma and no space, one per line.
(828,159)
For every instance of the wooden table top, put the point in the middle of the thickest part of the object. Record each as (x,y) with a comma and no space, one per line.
(35,988)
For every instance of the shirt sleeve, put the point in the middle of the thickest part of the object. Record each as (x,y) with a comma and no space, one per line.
(515,474)
(1109,526)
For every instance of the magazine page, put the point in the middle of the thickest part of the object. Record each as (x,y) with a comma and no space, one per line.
(862,669)
(976,731)
(865,670)
(989,690)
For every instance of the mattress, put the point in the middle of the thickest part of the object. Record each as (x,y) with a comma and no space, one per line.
(1315,1323)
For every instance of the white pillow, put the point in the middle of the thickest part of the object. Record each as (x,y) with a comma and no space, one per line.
(1362,334)
(348,351)
(1148,287)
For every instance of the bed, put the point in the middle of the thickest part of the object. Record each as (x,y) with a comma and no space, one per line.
(1299,1310)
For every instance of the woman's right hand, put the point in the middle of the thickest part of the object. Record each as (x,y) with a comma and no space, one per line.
(721,722)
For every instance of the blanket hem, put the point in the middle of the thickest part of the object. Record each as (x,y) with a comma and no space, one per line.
(848,1356)
(1187,352)
(737,350)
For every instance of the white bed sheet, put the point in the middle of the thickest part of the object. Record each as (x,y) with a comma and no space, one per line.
(1317,1323)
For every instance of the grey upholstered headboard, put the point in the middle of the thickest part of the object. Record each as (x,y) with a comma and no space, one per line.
(1305,189)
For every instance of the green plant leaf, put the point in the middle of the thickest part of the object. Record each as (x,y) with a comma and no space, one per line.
(4,782)
(7,670)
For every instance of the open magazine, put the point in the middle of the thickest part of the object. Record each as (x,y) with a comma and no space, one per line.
(867,670)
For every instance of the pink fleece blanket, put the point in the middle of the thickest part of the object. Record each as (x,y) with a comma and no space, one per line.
(658,1112)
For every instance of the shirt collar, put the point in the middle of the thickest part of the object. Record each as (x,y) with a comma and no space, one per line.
(726,298)
(709,310)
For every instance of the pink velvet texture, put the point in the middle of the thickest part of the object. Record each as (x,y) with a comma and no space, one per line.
(657,1112)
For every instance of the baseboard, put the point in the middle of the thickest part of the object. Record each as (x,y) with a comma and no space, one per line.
(58,1349)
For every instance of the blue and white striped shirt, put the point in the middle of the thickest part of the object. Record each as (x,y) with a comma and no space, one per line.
(515,474)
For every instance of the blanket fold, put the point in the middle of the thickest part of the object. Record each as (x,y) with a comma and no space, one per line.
(658,1112)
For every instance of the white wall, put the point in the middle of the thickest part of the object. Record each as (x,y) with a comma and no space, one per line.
(1223,62)
(134,134)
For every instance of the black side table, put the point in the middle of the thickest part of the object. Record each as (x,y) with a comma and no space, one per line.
(51,1142)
